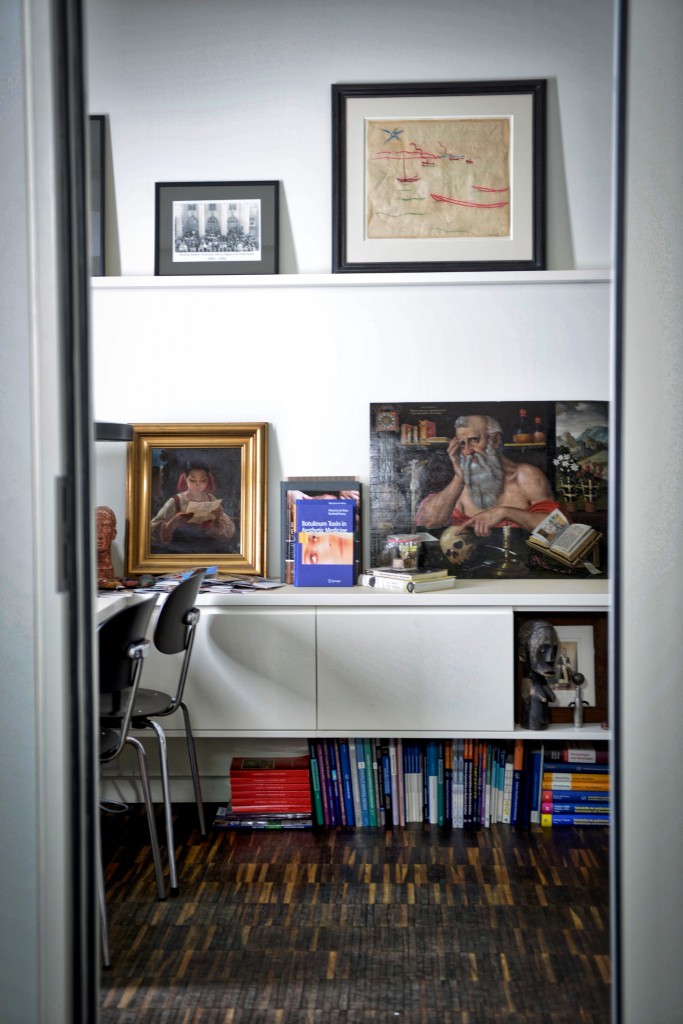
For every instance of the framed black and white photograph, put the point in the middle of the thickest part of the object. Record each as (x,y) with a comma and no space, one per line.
(439,176)
(217,227)
(96,144)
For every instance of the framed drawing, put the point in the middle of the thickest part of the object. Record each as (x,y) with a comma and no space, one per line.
(216,227)
(295,488)
(517,463)
(439,176)
(582,638)
(96,143)
(196,495)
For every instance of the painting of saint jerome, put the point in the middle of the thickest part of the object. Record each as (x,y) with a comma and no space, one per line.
(438,178)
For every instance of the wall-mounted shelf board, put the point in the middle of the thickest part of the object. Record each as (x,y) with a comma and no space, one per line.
(541,277)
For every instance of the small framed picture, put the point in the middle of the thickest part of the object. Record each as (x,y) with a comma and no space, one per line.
(196,495)
(96,144)
(576,654)
(439,176)
(217,227)
(582,647)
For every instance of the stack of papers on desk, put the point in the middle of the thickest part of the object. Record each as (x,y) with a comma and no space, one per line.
(231,584)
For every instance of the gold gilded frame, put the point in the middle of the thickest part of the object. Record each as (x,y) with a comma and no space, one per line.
(237,456)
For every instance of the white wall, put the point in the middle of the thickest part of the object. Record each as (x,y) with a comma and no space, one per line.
(228,91)
(224,90)
(309,358)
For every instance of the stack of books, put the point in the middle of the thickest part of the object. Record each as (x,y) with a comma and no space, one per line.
(267,792)
(575,786)
(407,581)
(369,782)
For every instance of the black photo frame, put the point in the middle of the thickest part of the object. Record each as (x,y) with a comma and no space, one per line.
(216,227)
(96,194)
(439,176)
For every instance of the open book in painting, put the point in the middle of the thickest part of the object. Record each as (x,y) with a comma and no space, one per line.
(557,537)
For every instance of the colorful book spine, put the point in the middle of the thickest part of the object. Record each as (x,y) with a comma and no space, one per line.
(400,782)
(575,807)
(560,796)
(555,780)
(517,768)
(370,778)
(575,768)
(578,820)
(355,787)
(346,784)
(586,753)
(384,760)
(362,781)
(536,780)
(315,784)
(324,790)
(377,779)
(448,782)
(393,766)
(331,786)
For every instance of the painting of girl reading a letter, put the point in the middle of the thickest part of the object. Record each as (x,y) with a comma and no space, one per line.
(201,514)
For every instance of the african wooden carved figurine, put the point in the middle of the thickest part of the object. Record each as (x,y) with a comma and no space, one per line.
(538,646)
(105,526)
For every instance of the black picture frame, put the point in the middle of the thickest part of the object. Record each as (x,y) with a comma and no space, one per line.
(468,225)
(597,713)
(96,192)
(242,214)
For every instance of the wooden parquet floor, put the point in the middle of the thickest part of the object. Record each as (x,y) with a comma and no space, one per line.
(414,926)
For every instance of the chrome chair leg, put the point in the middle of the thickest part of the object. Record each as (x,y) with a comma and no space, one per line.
(168,807)
(102,900)
(154,840)
(192,752)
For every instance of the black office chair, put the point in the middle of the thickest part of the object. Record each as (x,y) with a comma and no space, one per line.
(174,634)
(122,648)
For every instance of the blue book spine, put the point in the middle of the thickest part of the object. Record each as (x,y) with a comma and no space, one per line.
(336,783)
(324,553)
(331,783)
(440,786)
(362,782)
(369,776)
(575,768)
(347,789)
(385,771)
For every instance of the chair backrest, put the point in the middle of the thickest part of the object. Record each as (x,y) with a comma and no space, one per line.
(174,626)
(115,637)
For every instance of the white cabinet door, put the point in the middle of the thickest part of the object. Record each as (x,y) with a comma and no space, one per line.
(391,670)
(252,669)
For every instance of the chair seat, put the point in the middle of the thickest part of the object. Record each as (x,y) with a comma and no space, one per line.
(154,703)
(109,741)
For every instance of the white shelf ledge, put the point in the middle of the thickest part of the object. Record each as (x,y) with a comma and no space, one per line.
(541,594)
(516,277)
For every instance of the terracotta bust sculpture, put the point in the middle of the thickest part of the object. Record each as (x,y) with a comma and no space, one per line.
(538,646)
(105,525)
